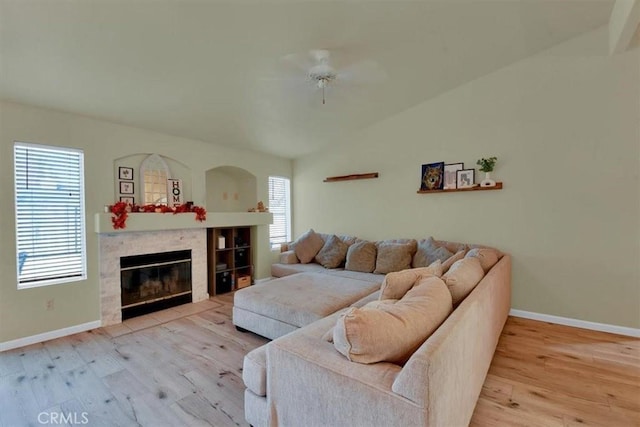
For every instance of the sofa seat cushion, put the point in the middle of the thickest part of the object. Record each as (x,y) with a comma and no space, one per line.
(301,299)
(391,330)
(254,371)
(367,277)
(281,270)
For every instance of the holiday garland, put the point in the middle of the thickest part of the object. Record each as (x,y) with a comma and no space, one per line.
(120,211)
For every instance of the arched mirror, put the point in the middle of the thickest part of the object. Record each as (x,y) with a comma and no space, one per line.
(154,173)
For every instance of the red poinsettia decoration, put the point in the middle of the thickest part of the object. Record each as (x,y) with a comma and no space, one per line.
(201,214)
(120,211)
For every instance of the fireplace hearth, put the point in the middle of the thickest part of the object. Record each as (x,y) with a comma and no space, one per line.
(152,282)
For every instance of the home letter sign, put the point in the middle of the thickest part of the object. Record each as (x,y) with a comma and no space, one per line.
(174,192)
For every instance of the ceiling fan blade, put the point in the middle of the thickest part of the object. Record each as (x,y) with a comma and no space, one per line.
(302,61)
(363,72)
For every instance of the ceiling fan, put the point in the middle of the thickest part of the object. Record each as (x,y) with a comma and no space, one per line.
(321,74)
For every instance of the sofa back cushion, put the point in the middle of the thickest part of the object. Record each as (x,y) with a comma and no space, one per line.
(361,256)
(428,251)
(396,285)
(391,330)
(307,246)
(462,277)
(333,253)
(446,264)
(393,257)
(349,240)
(488,257)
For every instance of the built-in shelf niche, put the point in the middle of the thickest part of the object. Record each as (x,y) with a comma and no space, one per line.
(230,189)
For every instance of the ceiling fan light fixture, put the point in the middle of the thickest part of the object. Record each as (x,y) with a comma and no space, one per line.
(322,80)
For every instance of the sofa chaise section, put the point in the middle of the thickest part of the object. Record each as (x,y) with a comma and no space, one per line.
(283,305)
(306,381)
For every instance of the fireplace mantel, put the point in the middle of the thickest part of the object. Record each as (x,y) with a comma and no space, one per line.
(168,221)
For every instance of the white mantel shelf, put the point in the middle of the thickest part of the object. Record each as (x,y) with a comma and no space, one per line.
(168,221)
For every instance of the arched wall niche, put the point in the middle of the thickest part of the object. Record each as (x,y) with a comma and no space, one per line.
(177,170)
(230,189)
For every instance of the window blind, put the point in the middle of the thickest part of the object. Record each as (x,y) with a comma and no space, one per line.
(50,229)
(280,207)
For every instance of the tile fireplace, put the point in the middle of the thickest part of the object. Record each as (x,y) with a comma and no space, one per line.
(130,277)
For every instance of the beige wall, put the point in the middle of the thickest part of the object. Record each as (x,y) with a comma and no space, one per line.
(565,126)
(22,313)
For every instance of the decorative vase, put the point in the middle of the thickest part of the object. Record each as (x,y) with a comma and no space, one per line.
(487,181)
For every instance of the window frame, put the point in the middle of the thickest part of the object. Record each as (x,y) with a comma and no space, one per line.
(78,220)
(286,213)
(154,162)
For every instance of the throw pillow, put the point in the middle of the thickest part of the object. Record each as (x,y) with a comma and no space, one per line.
(462,277)
(361,256)
(446,265)
(428,251)
(307,246)
(332,253)
(396,285)
(391,331)
(488,257)
(393,257)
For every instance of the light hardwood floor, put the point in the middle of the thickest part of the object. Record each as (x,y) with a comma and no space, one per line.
(183,367)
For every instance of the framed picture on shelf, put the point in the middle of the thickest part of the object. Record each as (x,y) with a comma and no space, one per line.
(126,187)
(466,178)
(451,176)
(125,173)
(127,199)
(432,177)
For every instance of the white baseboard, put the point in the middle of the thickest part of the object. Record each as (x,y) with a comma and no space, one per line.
(603,327)
(46,336)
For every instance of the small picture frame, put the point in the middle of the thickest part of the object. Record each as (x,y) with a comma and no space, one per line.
(126,187)
(466,178)
(451,176)
(127,199)
(125,173)
(432,177)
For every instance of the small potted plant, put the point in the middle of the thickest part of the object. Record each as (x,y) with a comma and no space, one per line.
(486,166)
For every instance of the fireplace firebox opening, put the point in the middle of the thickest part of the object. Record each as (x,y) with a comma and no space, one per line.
(153,282)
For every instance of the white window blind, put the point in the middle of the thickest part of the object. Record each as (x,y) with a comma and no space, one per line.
(50,229)
(280,207)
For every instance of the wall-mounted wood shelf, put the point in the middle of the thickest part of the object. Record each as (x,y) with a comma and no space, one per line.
(351,177)
(453,190)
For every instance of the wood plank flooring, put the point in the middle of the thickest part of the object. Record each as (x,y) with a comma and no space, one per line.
(183,367)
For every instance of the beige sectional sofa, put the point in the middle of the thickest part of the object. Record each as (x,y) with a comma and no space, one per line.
(300,378)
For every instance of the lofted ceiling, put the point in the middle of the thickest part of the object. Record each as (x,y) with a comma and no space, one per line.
(214,70)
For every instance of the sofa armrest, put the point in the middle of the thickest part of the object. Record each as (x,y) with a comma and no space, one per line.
(284,247)
(289,257)
(454,361)
(329,389)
